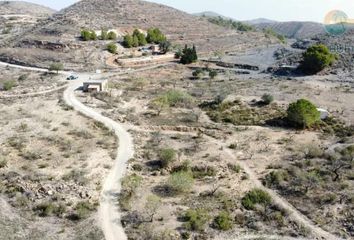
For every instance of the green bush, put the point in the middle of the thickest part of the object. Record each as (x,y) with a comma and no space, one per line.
(112,48)
(128,41)
(83,209)
(196,219)
(8,85)
(180,182)
(317,58)
(56,67)
(176,98)
(229,23)
(198,73)
(46,209)
(223,221)
(275,178)
(254,197)
(267,99)
(87,35)
(3,162)
(154,35)
(167,156)
(189,55)
(112,36)
(303,113)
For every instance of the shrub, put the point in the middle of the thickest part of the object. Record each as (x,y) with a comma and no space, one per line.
(254,197)
(46,209)
(197,73)
(317,58)
(180,182)
(112,48)
(267,99)
(131,183)
(213,74)
(8,85)
(189,55)
(167,156)
(112,36)
(303,113)
(234,167)
(223,221)
(177,98)
(196,219)
(275,178)
(3,163)
(56,67)
(154,35)
(85,35)
(128,41)
(83,209)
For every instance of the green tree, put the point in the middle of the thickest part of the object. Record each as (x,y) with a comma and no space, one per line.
(56,67)
(135,41)
(317,58)
(303,113)
(128,41)
(154,35)
(189,55)
(112,48)
(140,36)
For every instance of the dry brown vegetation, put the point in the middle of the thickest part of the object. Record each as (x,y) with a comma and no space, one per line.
(204,181)
(52,164)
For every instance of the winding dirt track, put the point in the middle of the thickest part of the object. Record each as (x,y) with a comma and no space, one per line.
(109,212)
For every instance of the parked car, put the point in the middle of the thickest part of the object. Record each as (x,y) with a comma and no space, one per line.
(72,77)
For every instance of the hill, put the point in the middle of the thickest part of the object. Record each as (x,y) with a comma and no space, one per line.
(57,38)
(260,21)
(299,30)
(24,8)
(210,14)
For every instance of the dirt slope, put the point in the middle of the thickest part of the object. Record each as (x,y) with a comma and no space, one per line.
(24,8)
(56,39)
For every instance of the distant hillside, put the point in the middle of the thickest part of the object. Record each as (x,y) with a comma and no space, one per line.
(260,21)
(298,30)
(57,37)
(24,8)
(210,14)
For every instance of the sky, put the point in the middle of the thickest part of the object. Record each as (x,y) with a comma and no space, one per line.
(280,10)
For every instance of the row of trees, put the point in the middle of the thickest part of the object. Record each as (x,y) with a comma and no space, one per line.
(90,35)
(229,23)
(154,35)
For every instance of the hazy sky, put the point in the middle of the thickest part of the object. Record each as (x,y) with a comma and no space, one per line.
(282,10)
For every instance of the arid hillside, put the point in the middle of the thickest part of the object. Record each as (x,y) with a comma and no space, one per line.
(57,38)
(24,8)
(297,30)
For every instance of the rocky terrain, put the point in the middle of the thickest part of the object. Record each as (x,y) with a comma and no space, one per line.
(17,17)
(56,39)
(297,30)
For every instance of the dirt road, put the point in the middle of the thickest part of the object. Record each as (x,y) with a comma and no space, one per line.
(109,213)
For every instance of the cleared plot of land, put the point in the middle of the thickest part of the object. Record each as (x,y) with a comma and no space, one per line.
(198,118)
(52,165)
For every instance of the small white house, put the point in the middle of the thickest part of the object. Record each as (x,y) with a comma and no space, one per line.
(95,86)
(324,114)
